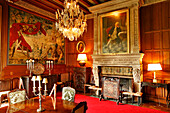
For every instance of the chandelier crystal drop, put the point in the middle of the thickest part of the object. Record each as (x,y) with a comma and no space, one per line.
(71,21)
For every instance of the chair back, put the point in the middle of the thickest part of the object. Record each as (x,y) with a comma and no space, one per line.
(68,94)
(80,108)
(17,95)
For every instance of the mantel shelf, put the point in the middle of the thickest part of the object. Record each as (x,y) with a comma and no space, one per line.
(119,76)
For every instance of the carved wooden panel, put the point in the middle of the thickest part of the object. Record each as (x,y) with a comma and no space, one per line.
(148,42)
(155,43)
(81,77)
(155,17)
(166,60)
(5,84)
(166,40)
(157,40)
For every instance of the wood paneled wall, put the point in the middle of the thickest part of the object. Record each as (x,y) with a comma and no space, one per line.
(70,49)
(0,34)
(87,38)
(155,43)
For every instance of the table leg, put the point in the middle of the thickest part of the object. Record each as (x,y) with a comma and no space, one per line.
(132,99)
(0,100)
(84,89)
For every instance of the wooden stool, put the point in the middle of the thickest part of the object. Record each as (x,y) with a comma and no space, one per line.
(138,94)
(86,85)
(95,88)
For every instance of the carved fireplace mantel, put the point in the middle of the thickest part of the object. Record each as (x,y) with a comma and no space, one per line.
(132,58)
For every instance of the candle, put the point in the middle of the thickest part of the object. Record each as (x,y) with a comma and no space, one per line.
(33,63)
(52,64)
(33,79)
(45,87)
(49,64)
(27,64)
(39,85)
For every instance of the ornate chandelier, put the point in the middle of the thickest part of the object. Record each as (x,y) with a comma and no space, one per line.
(71,21)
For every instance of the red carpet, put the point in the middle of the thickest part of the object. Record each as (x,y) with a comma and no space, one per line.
(106,106)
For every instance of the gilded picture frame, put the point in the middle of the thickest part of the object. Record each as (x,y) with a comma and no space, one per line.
(80,46)
(114,31)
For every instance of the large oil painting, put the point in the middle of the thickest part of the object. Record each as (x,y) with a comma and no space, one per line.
(115,32)
(33,37)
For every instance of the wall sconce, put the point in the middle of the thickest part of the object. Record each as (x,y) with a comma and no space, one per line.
(82,58)
(154,67)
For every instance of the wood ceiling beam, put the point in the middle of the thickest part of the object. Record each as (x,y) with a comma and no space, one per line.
(83,8)
(40,5)
(84,2)
(41,2)
(95,1)
(57,4)
(58,1)
(54,4)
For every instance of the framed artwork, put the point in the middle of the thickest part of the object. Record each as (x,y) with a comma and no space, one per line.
(114,29)
(33,37)
(80,47)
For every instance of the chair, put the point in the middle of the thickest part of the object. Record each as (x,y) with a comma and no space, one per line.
(64,80)
(68,94)
(80,108)
(17,95)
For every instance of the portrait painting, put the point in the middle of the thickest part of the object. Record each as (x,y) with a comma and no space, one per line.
(33,37)
(115,32)
(80,47)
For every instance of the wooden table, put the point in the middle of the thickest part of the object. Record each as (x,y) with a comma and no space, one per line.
(157,85)
(31,106)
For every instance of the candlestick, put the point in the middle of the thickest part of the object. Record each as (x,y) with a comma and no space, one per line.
(49,66)
(30,66)
(38,78)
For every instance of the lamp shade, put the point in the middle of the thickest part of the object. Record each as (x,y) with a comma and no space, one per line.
(82,57)
(45,80)
(154,67)
(39,78)
(34,78)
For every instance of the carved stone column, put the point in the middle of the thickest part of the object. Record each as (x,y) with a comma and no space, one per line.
(134,28)
(95,74)
(137,78)
(95,51)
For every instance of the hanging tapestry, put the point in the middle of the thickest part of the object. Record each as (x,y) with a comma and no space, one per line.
(33,37)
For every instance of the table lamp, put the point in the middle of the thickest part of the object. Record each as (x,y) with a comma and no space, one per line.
(82,58)
(154,67)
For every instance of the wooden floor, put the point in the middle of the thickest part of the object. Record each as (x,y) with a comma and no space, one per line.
(157,106)
(151,105)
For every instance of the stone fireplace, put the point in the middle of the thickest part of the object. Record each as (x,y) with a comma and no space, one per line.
(132,58)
